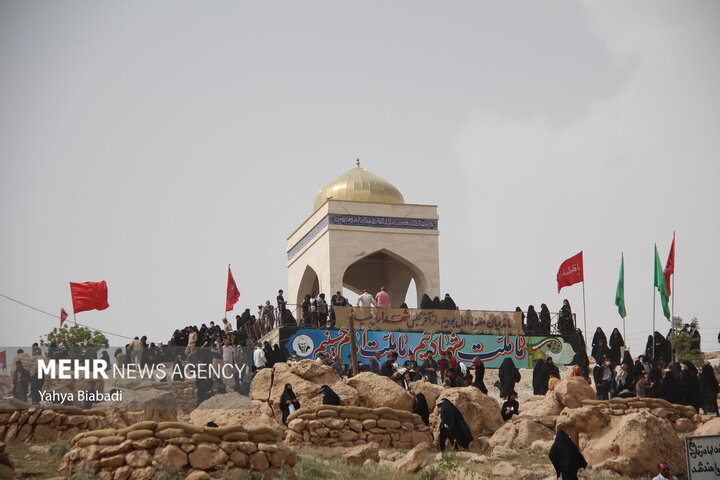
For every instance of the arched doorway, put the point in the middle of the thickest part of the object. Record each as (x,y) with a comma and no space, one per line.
(384,268)
(309,284)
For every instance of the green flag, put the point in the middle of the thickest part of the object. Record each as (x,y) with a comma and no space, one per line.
(620,292)
(660,284)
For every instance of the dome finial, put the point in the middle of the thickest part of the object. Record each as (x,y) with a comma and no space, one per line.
(357,162)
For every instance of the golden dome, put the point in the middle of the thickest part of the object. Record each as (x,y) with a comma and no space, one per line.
(359,185)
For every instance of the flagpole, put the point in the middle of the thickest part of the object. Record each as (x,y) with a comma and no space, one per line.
(74,318)
(584,316)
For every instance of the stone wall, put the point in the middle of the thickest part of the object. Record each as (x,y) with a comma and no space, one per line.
(7,470)
(53,423)
(341,425)
(683,417)
(140,450)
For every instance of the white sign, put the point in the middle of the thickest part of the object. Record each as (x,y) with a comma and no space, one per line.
(703,457)
(303,346)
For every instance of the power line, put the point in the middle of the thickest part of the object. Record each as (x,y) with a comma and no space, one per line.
(57,318)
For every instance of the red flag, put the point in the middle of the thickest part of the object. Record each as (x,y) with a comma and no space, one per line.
(570,271)
(89,296)
(3,359)
(63,316)
(233,294)
(670,265)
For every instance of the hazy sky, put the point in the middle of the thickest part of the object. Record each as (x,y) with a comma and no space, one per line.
(149,144)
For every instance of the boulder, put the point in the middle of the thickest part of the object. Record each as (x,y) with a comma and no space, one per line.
(379,391)
(529,431)
(143,399)
(415,459)
(641,437)
(546,406)
(571,391)
(431,391)
(224,418)
(306,378)
(171,456)
(711,427)
(503,469)
(359,454)
(207,456)
(138,458)
(504,436)
(581,420)
(481,412)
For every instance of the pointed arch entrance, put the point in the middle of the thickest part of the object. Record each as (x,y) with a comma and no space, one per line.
(384,268)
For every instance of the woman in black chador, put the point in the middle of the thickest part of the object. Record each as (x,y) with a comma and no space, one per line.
(509,376)
(708,390)
(479,378)
(540,378)
(545,320)
(566,457)
(616,341)
(599,345)
(669,389)
(453,426)
(533,322)
(420,407)
(565,319)
(690,385)
(288,401)
(426,302)
(522,317)
(329,396)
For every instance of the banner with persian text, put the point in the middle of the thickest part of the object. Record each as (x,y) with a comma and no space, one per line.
(417,320)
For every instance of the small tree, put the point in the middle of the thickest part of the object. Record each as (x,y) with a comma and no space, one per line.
(682,343)
(81,341)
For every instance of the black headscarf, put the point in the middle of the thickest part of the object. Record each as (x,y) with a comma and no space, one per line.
(329,396)
(421,408)
(509,375)
(566,456)
(533,322)
(436,305)
(708,389)
(545,320)
(540,378)
(426,302)
(448,303)
(616,341)
(453,424)
(287,394)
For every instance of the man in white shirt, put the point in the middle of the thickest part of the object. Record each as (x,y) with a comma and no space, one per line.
(365,300)
(664,472)
(258,357)
(382,298)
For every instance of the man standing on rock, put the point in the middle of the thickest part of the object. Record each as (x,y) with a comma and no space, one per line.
(258,357)
(664,472)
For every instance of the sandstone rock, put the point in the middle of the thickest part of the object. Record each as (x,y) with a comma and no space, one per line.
(207,456)
(224,417)
(122,473)
(259,461)
(138,458)
(684,425)
(198,475)
(481,412)
(546,406)
(146,473)
(359,454)
(504,436)
(416,458)
(112,462)
(501,451)
(641,437)
(239,459)
(379,391)
(529,431)
(711,427)
(581,420)
(171,456)
(306,378)
(570,391)
(541,446)
(503,469)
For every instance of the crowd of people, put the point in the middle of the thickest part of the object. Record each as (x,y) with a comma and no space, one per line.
(535,323)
